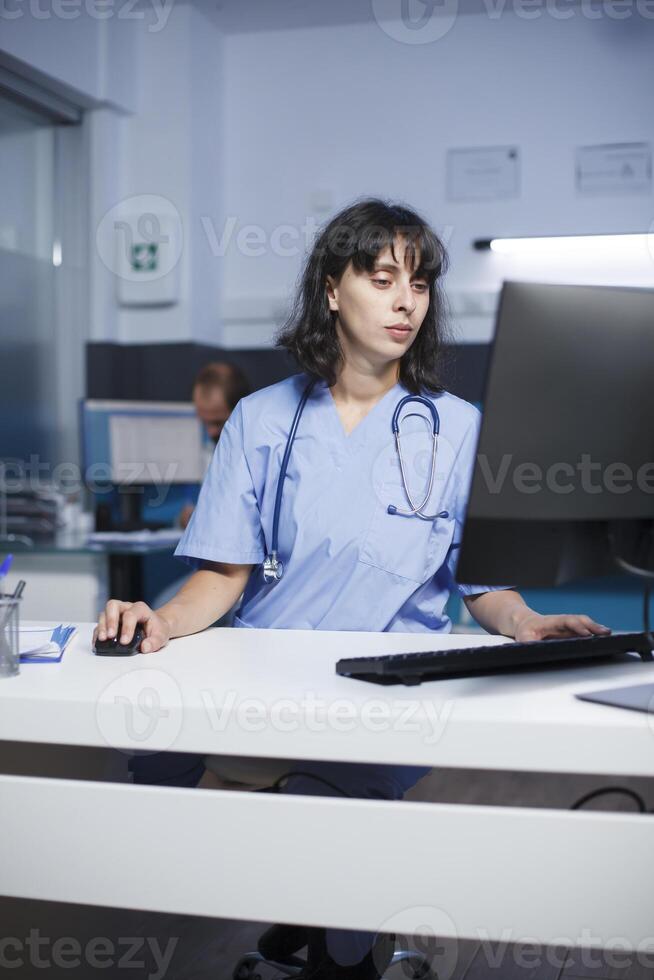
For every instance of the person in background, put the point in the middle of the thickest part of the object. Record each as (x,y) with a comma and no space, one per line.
(217,390)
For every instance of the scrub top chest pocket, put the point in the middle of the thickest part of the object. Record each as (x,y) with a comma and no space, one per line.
(410,546)
(407,546)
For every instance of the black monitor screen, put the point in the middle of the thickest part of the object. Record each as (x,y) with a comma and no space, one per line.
(564,474)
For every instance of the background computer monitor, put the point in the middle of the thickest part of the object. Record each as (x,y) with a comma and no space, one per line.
(128,447)
(564,474)
(143,443)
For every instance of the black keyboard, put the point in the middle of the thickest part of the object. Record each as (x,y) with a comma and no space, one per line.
(414,668)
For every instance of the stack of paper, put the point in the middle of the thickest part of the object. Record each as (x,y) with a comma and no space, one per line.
(165,535)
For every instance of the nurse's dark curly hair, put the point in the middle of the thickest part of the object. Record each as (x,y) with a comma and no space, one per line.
(357,235)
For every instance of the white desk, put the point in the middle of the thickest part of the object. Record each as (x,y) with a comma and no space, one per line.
(466,870)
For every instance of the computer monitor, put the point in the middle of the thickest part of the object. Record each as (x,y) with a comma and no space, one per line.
(564,474)
(141,443)
(133,445)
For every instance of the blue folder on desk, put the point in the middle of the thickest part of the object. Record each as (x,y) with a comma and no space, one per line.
(44,644)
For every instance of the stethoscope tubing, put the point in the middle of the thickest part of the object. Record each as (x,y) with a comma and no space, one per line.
(282,471)
(272,567)
(416,509)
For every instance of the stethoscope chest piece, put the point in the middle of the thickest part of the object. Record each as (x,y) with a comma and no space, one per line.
(273,569)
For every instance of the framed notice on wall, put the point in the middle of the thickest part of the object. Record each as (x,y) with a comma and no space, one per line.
(614,168)
(483,173)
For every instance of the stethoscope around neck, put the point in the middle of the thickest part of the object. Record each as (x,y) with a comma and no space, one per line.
(416,509)
(273,568)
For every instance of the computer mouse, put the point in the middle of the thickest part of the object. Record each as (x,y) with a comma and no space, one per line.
(112,648)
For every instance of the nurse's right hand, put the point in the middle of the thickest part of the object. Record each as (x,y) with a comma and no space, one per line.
(130,614)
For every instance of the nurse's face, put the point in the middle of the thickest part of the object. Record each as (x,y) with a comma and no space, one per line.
(379,313)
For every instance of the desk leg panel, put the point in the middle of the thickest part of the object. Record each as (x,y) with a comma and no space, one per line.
(500,873)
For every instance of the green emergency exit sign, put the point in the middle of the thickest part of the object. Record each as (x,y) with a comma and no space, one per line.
(144,257)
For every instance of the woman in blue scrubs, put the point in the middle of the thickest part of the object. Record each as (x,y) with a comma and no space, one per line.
(368,328)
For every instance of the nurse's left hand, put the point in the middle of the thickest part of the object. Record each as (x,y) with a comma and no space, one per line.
(537,627)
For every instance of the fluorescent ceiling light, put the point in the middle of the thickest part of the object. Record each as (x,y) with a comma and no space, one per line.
(584,246)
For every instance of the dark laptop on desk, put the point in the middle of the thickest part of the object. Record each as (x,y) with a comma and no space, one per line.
(569,391)
(639,697)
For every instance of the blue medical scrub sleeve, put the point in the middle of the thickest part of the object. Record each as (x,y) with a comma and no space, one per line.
(226,524)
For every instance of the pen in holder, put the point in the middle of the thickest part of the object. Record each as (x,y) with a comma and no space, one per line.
(9,642)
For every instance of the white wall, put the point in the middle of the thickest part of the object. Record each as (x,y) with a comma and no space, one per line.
(244,129)
(157,160)
(351,112)
(92,56)
(172,148)
(207,83)
(154,87)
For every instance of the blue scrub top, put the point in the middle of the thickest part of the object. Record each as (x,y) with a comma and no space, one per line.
(348,563)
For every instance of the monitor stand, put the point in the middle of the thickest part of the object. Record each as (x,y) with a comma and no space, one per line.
(131,513)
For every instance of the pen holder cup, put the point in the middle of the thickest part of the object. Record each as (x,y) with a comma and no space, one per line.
(9,644)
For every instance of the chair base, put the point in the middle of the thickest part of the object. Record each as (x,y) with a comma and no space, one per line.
(248,966)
